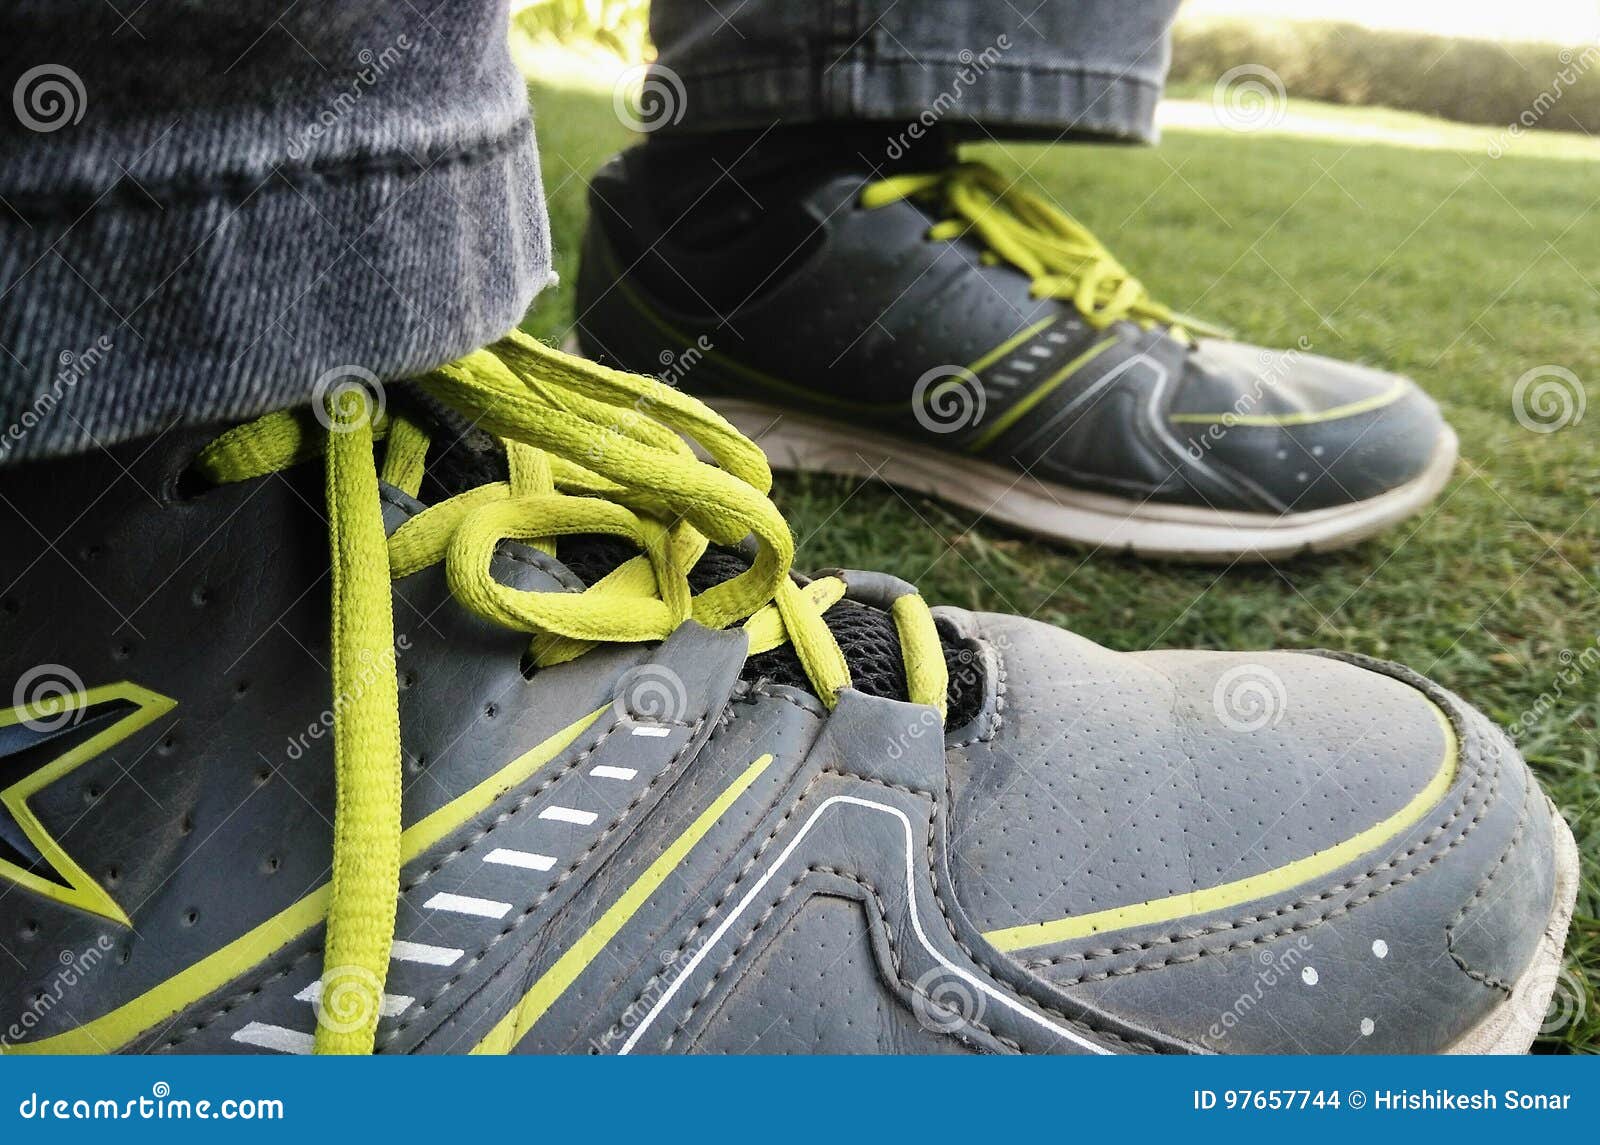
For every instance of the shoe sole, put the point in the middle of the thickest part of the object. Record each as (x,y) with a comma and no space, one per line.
(1513,1025)
(800,441)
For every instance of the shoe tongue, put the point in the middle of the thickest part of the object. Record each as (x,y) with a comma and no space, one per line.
(867,636)
(462,457)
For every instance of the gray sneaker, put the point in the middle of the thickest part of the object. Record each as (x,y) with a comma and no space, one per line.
(553,774)
(952,333)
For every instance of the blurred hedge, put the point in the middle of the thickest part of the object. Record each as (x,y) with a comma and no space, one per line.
(1471,81)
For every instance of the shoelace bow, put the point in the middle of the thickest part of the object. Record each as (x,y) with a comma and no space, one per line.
(1057,253)
(589,450)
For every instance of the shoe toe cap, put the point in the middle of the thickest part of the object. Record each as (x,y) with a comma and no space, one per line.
(1305,432)
(1273,852)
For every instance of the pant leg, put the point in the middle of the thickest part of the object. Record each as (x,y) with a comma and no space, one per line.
(1052,69)
(205,208)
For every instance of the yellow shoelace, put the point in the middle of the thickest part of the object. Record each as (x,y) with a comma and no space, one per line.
(589,450)
(1057,253)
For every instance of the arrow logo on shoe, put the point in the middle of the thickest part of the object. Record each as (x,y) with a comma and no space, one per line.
(55,727)
(140,1014)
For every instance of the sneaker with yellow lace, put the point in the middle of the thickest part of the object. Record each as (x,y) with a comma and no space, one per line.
(951,331)
(484,714)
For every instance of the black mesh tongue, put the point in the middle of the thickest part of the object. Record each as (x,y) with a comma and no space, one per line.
(867,636)
(461,457)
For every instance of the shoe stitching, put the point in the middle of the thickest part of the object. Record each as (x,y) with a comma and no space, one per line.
(1490,980)
(692,743)
(995,717)
(877,902)
(938,896)
(1333,892)
(248,993)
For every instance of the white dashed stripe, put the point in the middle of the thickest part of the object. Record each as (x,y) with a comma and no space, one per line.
(655,730)
(569,815)
(527,860)
(423,953)
(284,1041)
(606,772)
(466,904)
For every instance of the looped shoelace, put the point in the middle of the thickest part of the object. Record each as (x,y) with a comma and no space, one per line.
(1057,253)
(589,450)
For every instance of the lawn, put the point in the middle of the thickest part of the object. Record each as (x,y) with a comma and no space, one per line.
(1461,270)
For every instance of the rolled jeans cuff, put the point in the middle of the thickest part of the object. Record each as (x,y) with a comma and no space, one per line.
(238,207)
(964,97)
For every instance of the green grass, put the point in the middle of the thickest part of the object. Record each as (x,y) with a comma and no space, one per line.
(1462,271)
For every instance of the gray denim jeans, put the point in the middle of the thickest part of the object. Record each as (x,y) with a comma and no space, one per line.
(209,210)
(1041,68)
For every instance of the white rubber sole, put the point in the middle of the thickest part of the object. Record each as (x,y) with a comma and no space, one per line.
(801,441)
(1513,1025)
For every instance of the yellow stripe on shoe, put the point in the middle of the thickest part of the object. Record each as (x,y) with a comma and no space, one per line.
(1006,420)
(116,1029)
(1276,881)
(509,1030)
(1306,417)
